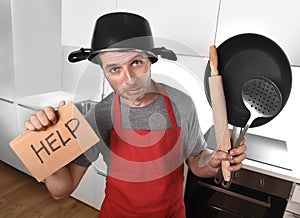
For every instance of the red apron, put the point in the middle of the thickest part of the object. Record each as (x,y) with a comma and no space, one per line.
(146,171)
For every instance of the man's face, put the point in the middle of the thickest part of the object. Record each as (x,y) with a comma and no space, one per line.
(127,72)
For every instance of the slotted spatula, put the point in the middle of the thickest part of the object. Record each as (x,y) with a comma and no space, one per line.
(262,98)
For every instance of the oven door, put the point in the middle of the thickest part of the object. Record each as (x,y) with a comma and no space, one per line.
(204,199)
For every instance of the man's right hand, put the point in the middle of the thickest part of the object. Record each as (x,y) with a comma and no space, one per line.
(65,180)
(42,119)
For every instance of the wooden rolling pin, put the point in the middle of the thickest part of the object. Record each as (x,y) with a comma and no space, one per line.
(218,104)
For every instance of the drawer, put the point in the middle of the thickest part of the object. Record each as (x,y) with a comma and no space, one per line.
(290,215)
(296,194)
(293,208)
(264,183)
(293,205)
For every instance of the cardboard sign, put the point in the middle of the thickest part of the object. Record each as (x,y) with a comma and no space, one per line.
(45,152)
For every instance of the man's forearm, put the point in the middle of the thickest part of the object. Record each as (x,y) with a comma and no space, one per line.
(60,183)
(201,166)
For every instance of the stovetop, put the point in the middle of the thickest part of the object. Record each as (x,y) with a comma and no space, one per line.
(259,148)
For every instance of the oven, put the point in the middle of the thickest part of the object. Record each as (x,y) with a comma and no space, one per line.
(251,194)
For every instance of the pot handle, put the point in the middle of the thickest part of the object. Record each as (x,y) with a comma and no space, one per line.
(79,55)
(165,53)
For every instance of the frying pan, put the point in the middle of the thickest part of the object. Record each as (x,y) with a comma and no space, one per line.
(241,58)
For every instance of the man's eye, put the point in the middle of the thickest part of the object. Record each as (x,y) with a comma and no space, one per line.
(114,70)
(137,63)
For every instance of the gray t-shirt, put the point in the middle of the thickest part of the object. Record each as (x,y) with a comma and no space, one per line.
(150,117)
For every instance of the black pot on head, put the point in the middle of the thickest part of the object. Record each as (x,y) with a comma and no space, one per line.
(122,31)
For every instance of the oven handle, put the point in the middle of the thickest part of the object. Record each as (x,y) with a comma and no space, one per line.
(233,194)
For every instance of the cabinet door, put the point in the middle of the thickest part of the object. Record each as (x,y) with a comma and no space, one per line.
(85,190)
(8,131)
(91,188)
(191,23)
(7,88)
(23,114)
(79,18)
(277,20)
(36,26)
(100,184)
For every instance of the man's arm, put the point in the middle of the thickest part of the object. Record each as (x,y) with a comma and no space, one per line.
(63,182)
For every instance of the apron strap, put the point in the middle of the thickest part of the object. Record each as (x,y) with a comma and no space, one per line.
(117,108)
(168,106)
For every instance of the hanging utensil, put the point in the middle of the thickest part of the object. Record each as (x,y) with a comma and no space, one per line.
(262,98)
(219,112)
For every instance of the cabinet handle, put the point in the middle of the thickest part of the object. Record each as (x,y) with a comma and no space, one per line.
(236,195)
(292,215)
(28,107)
(100,172)
(6,100)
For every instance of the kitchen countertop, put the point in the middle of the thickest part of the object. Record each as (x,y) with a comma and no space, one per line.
(43,100)
(276,158)
(293,161)
(290,175)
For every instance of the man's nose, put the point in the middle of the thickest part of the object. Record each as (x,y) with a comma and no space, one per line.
(129,74)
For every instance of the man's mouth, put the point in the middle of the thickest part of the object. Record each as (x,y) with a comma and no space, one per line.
(133,91)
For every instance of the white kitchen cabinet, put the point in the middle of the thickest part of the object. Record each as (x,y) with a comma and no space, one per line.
(30,61)
(22,114)
(36,27)
(7,83)
(191,23)
(277,20)
(293,205)
(100,184)
(79,18)
(296,194)
(85,190)
(8,131)
(91,187)
(290,215)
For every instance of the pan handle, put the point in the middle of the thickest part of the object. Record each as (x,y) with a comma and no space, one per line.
(219,177)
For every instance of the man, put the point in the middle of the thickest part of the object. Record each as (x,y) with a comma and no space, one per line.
(147,129)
